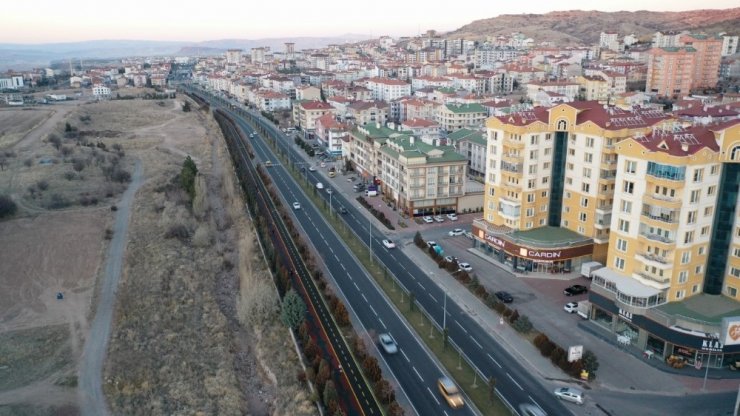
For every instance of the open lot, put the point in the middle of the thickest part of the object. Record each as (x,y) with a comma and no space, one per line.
(16,123)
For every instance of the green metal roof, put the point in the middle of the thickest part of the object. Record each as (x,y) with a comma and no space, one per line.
(466,108)
(475,136)
(549,236)
(703,307)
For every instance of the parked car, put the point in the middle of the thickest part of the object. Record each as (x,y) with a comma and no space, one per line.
(569,394)
(439,218)
(389,243)
(451,259)
(452,217)
(323,164)
(469,235)
(465,266)
(575,290)
(296,205)
(571,307)
(504,296)
(427,219)
(431,243)
(388,343)
(456,232)
(449,391)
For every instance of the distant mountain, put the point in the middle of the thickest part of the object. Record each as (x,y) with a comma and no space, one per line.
(23,56)
(584,27)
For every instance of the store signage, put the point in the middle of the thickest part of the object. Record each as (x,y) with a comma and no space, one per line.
(711,345)
(730,333)
(575,353)
(496,241)
(626,315)
(544,254)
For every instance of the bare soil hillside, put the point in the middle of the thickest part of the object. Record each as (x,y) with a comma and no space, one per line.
(579,26)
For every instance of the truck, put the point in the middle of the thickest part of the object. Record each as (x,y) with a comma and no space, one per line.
(332,172)
(584,309)
(589,267)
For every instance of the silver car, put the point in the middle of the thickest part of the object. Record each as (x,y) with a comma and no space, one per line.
(570,394)
(388,343)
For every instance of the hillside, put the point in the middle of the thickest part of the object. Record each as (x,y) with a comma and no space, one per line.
(577,26)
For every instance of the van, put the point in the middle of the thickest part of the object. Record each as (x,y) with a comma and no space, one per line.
(319,185)
(371,193)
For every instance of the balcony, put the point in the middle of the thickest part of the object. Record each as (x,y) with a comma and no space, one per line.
(609,164)
(513,158)
(651,259)
(663,181)
(662,201)
(657,238)
(517,168)
(603,222)
(514,144)
(662,282)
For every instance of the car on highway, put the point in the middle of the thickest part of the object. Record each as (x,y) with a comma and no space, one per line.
(456,232)
(427,219)
(388,344)
(571,307)
(296,205)
(342,210)
(312,169)
(504,296)
(268,163)
(452,216)
(527,409)
(575,290)
(439,218)
(319,185)
(569,394)
(449,391)
(465,266)
(389,243)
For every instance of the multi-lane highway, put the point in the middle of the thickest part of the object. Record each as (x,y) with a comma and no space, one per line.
(415,370)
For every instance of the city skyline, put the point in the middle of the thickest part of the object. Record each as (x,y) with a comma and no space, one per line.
(76,20)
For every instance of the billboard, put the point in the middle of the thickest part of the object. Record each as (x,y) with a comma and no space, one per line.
(730,332)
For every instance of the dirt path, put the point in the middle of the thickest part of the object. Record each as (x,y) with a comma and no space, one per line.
(60,114)
(92,399)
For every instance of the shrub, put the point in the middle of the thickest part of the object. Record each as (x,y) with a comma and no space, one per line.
(78,164)
(590,363)
(179,231)
(372,369)
(69,175)
(514,316)
(57,202)
(28,162)
(120,175)
(7,206)
(42,185)
(523,324)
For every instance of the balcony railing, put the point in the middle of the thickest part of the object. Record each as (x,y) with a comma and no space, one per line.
(657,279)
(659,238)
(669,219)
(653,257)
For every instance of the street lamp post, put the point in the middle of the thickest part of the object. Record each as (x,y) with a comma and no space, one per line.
(444,313)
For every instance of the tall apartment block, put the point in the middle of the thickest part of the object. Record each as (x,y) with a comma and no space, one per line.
(653,199)
(676,70)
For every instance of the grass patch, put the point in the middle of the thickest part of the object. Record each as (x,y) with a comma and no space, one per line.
(474,387)
(30,355)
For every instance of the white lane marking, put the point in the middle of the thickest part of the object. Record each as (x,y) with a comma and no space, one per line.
(363,296)
(343,268)
(383,323)
(461,327)
(517,384)
(358,288)
(535,402)
(373,309)
(417,374)
(407,358)
(494,360)
(476,342)
(433,298)
(433,396)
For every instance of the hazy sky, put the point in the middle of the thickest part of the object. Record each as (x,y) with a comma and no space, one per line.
(44,21)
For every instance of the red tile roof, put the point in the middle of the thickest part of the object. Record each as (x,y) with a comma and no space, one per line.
(679,141)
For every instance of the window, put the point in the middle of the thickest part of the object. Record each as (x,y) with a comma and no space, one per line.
(531,183)
(736,252)
(547,152)
(529,224)
(679,294)
(532,169)
(581,230)
(629,187)
(714,169)
(545,180)
(705,231)
(685,257)
(694,288)
(588,157)
(702,250)
(543,208)
(621,244)
(544,194)
(735,272)
(731,291)
(589,142)
(619,263)
(582,217)
(570,166)
(586,172)
(630,166)
(530,212)
(534,140)
(533,154)
(694,196)
(699,269)
(711,190)
(708,211)
(585,187)
(626,206)
(683,277)
(584,202)
(546,165)
(691,217)
(530,197)
(571,152)
(698,175)
(624,226)
(491,191)
(688,237)
(542,221)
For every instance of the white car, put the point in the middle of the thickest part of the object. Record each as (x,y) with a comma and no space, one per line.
(439,218)
(388,343)
(427,219)
(323,165)
(431,243)
(312,169)
(452,217)
(456,232)
(319,185)
(465,266)
(569,394)
(296,205)
(571,307)
(389,244)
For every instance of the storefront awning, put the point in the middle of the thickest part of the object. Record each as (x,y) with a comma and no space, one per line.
(626,285)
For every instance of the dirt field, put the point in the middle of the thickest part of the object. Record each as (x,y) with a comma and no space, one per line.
(180,300)
(16,123)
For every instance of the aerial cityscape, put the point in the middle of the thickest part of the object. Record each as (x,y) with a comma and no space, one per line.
(311,210)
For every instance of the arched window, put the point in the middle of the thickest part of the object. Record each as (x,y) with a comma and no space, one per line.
(735,153)
(562,125)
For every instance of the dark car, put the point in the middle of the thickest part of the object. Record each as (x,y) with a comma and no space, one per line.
(342,210)
(575,290)
(504,296)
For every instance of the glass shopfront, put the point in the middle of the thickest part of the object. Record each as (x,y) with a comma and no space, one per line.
(603,318)
(628,330)
(656,345)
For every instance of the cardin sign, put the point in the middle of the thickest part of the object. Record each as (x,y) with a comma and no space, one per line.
(536,253)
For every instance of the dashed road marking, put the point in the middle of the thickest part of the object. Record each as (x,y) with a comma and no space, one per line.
(417,374)
(433,396)
(461,327)
(405,356)
(494,360)
(512,379)
(476,342)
